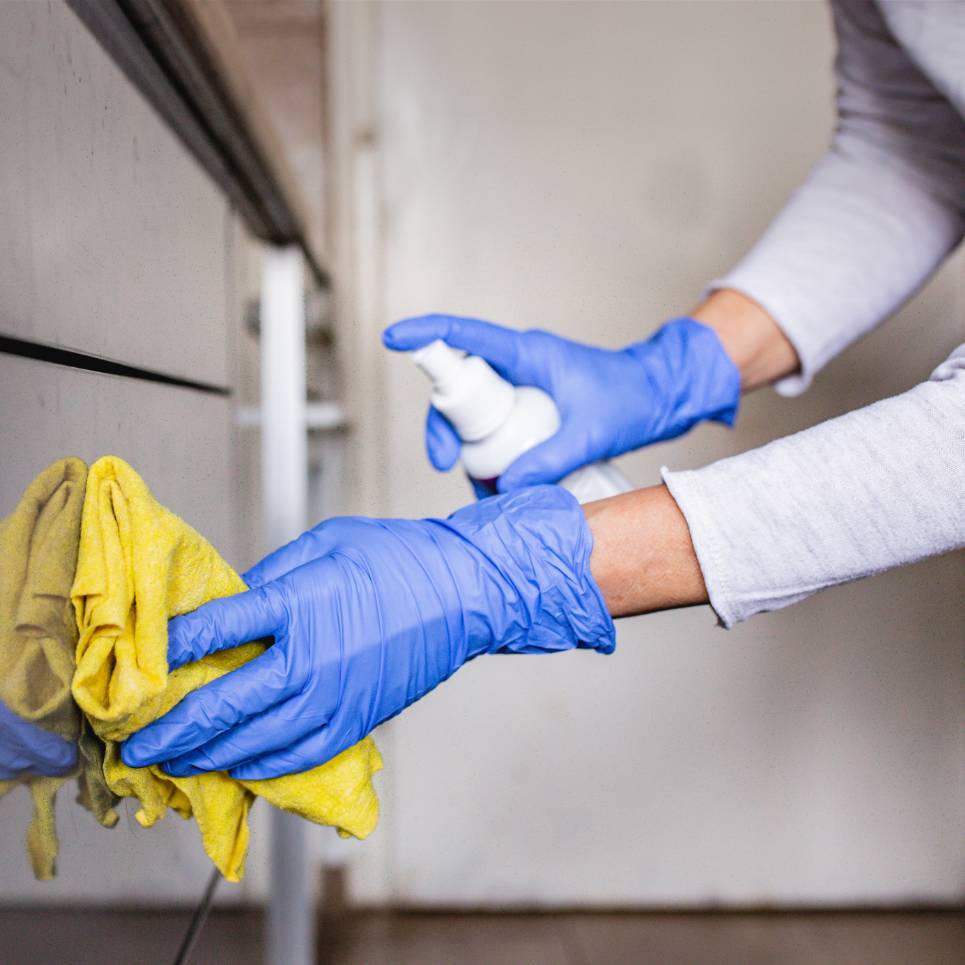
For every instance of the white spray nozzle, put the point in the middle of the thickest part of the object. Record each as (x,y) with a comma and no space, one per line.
(466,390)
(440,362)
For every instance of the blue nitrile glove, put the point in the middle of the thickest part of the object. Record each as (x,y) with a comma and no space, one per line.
(368,615)
(610,402)
(27,749)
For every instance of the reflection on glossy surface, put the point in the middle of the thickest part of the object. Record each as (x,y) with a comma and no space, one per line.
(27,750)
(40,726)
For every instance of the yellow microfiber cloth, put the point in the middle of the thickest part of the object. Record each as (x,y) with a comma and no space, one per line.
(38,634)
(138,565)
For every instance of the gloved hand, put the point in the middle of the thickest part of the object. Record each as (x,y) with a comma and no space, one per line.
(27,749)
(368,615)
(610,402)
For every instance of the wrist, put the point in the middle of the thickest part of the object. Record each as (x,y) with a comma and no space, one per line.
(643,558)
(751,338)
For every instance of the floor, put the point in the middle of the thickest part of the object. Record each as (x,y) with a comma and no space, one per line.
(861,938)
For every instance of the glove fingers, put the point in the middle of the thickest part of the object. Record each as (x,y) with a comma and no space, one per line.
(312,545)
(497,345)
(548,462)
(307,547)
(277,563)
(317,748)
(272,731)
(224,623)
(213,709)
(442,443)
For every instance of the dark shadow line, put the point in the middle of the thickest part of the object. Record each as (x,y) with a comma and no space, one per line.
(94,363)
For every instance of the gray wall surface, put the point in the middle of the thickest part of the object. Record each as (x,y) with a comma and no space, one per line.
(588,168)
(112,240)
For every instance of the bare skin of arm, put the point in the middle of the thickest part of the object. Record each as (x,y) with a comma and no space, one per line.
(754,341)
(643,558)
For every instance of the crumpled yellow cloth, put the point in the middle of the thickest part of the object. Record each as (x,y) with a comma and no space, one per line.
(38,634)
(138,565)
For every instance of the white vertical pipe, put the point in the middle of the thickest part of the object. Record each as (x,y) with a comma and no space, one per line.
(284,443)
(291,918)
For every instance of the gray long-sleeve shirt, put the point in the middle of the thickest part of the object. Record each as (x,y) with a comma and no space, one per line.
(885,485)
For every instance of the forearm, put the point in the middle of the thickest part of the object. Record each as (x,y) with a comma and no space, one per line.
(838,260)
(876,488)
(643,558)
(873,219)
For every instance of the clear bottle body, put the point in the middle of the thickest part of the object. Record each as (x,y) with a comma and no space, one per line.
(599,480)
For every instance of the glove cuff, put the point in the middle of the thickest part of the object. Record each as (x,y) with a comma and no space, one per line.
(538,542)
(687,365)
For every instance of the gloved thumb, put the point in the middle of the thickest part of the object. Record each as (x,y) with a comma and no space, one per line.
(442,442)
(548,462)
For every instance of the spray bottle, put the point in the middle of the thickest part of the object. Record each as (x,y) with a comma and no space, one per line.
(498,421)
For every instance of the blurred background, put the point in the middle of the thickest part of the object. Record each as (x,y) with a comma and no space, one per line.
(789,791)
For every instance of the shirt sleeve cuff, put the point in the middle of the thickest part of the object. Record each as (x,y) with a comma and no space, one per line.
(686,489)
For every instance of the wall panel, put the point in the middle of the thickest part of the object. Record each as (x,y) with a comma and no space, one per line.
(112,239)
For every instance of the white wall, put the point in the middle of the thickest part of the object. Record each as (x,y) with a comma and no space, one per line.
(587,167)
